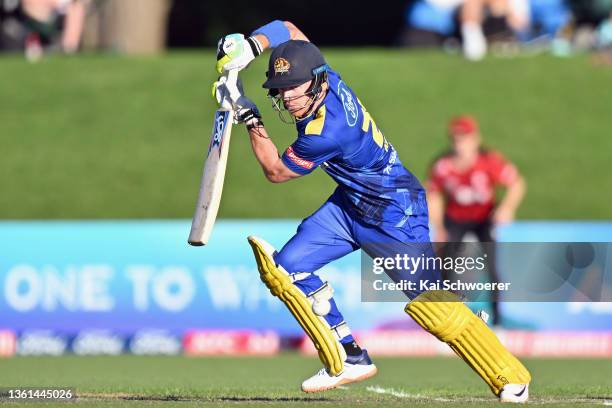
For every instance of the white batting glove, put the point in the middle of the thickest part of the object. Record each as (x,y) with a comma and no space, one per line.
(245,110)
(221,93)
(234,51)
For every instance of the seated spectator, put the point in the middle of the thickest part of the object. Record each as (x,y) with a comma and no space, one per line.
(38,24)
(490,19)
(604,34)
(429,22)
(547,17)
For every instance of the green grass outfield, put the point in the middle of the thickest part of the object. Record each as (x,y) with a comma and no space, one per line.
(184,382)
(112,137)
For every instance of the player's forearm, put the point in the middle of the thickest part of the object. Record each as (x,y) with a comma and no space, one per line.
(266,153)
(514,195)
(263,41)
(294,34)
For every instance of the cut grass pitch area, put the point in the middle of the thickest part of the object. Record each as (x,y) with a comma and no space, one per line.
(184,382)
(110,137)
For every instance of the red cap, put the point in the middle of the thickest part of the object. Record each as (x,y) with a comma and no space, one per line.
(462,125)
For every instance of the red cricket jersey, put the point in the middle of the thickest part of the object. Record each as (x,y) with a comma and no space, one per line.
(470,193)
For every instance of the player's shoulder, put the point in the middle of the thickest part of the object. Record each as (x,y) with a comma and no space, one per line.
(315,126)
(314,135)
(491,155)
(318,130)
(443,163)
(337,112)
(341,104)
(326,119)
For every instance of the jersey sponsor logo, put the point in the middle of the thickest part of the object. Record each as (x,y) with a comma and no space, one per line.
(281,66)
(305,164)
(478,189)
(350,107)
(392,160)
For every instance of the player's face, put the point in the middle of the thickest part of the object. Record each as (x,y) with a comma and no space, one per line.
(466,144)
(295,99)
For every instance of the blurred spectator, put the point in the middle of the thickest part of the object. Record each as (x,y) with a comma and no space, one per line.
(429,22)
(461,192)
(526,20)
(493,19)
(34,25)
(547,17)
(508,27)
(590,12)
(550,20)
(591,28)
(604,43)
(604,34)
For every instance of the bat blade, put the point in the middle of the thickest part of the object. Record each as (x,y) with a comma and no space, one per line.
(211,186)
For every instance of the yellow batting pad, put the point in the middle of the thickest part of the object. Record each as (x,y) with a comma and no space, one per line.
(442,314)
(330,351)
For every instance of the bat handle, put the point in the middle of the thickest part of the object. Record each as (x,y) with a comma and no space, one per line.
(231,86)
(232,77)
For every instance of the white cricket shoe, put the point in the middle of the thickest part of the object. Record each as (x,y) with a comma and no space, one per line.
(516,393)
(356,368)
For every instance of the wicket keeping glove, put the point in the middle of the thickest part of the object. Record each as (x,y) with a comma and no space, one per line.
(234,51)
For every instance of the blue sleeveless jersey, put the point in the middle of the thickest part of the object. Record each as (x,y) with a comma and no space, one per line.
(342,138)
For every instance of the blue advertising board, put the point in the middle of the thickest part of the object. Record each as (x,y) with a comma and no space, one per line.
(142,275)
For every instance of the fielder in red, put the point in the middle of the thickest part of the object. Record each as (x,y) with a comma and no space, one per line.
(461,191)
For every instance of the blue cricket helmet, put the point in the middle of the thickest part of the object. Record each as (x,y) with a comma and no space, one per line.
(293,63)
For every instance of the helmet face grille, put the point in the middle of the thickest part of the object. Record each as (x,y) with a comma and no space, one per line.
(313,92)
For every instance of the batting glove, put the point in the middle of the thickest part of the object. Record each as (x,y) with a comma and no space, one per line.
(234,51)
(245,110)
(249,116)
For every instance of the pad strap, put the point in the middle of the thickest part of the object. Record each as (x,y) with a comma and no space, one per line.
(341,330)
(322,294)
(298,276)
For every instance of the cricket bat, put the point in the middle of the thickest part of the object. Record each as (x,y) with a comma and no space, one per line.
(211,186)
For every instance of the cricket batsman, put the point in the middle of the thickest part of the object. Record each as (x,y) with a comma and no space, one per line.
(378,206)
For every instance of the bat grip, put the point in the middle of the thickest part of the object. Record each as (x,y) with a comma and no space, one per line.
(231,87)
(232,77)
